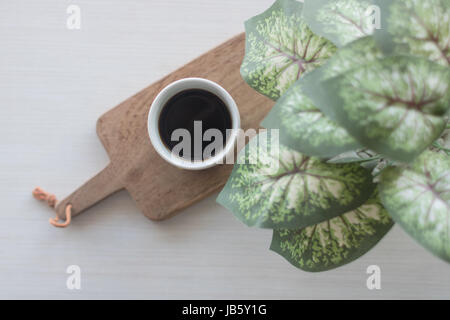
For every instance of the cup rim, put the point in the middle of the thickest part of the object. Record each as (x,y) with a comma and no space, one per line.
(163,97)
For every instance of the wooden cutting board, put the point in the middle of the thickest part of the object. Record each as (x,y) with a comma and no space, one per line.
(159,189)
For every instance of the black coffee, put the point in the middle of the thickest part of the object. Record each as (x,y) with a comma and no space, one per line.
(188,107)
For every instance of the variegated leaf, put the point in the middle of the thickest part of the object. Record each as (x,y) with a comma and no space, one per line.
(395,106)
(304,128)
(416,27)
(273,186)
(280,48)
(334,242)
(355,55)
(418,199)
(341,21)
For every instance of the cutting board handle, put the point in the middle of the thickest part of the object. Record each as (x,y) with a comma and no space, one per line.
(98,188)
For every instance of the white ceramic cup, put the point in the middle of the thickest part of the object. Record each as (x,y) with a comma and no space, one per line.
(165,95)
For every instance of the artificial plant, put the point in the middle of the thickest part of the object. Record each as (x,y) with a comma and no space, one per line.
(364,140)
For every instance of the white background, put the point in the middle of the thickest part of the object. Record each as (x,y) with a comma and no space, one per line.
(54,84)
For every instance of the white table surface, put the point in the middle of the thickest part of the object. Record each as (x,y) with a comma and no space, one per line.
(54,84)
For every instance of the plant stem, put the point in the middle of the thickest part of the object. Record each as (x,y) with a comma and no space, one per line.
(371,159)
(440,147)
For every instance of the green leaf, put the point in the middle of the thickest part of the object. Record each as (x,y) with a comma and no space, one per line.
(395,106)
(353,56)
(443,143)
(280,48)
(340,21)
(272,186)
(416,27)
(334,242)
(418,199)
(304,128)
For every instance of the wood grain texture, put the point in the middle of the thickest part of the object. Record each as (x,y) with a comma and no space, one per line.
(160,189)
